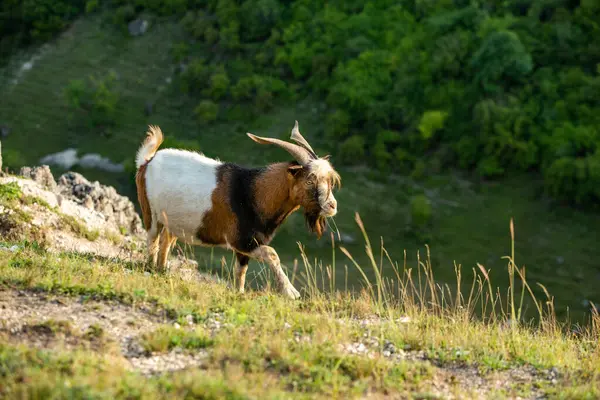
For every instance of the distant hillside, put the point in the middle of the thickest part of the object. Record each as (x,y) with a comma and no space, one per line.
(94,87)
(493,88)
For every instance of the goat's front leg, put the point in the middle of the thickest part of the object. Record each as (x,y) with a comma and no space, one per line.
(269,255)
(240,271)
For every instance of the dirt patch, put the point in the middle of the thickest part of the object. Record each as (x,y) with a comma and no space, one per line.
(46,321)
(455,380)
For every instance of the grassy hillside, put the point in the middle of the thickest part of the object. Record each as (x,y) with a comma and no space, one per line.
(469,220)
(81,326)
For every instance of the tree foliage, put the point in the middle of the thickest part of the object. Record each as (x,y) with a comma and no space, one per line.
(491,87)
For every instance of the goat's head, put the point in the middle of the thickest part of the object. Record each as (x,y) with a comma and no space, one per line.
(312,179)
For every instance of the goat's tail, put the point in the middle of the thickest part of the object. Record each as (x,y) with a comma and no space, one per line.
(154,139)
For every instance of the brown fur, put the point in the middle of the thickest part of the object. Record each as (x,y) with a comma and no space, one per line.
(219,224)
(284,192)
(280,192)
(140,183)
(155,135)
(276,189)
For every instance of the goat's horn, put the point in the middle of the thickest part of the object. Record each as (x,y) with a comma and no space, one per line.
(298,138)
(299,153)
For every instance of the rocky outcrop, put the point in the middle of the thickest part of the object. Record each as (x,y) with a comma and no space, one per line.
(104,199)
(116,209)
(76,215)
(41,175)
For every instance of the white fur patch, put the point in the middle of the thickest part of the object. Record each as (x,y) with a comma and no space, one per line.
(321,168)
(179,184)
(323,172)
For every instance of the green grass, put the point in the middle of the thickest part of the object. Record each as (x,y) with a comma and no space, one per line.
(291,348)
(10,192)
(168,337)
(470,220)
(79,228)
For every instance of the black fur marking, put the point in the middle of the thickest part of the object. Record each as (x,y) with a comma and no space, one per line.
(252,230)
(242,259)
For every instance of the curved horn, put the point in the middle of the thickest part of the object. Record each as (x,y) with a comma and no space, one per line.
(299,153)
(298,138)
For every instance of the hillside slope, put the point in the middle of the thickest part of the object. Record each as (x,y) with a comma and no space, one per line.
(464,221)
(96,325)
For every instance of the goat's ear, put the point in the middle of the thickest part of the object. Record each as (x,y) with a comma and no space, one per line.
(294,170)
(327,157)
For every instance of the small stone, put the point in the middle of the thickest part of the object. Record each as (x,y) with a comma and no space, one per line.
(148,108)
(176,325)
(88,203)
(189,319)
(137,27)
(389,347)
(346,238)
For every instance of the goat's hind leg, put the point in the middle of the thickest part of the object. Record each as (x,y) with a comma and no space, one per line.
(153,242)
(167,240)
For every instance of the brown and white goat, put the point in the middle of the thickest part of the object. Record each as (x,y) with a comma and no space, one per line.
(202,201)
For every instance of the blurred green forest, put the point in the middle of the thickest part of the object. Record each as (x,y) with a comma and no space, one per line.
(412,86)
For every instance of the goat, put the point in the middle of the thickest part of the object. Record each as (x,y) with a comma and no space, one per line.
(203,201)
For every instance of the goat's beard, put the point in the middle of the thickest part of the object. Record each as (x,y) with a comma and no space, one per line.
(316,222)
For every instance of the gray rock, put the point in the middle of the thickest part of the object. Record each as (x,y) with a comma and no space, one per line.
(389,347)
(104,199)
(346,238)
(66,158)
(148,108)
(41,175)
(137,27)
(94,160)
(4,131)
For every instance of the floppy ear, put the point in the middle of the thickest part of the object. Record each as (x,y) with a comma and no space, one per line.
(294,170)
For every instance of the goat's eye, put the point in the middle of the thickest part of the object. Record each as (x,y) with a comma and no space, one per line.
(310,182)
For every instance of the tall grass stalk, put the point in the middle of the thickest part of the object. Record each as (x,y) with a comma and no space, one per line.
(511,272)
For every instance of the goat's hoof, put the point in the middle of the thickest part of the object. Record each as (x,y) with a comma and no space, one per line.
(290,292)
